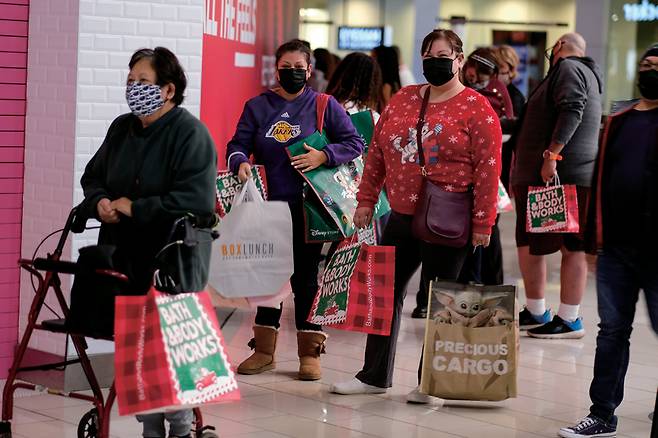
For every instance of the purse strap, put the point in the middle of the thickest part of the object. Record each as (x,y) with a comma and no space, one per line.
(419,130)
(321,104)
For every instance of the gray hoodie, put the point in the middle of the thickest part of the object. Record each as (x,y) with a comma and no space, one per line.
(565,108)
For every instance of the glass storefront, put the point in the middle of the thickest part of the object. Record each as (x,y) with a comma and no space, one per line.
(528,26)
(632,27)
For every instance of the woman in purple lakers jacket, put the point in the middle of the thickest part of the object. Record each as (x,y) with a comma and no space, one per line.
(270,123)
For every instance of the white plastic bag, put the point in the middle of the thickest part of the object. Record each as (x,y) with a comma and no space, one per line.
(253,255)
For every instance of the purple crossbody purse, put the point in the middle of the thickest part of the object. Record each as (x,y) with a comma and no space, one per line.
(441,217)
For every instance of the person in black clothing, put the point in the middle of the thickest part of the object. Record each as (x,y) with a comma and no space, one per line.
(508,61)
(324,62)
(388,61)
(157,163)
(621,227)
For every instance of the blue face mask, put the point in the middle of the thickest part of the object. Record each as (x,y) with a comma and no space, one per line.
(143,99)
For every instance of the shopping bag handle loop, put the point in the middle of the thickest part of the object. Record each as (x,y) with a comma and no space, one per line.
(555,181)
(250,188)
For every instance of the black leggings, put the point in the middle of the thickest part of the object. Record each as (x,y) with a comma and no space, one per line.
(437,261)
(304,280)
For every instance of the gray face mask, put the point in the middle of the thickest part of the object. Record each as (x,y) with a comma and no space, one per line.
(143,99)
(479,85)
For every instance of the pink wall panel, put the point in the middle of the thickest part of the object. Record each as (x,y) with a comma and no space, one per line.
(11,155)
(10,216)
(11,200)
(12,91)
(12,59)
(13,75)
(12,107)
(12,123)
(12,138)
(9,277)
(13,44)
(10,231)
(9,260)
(11,185)
(9,246)
(13,12)
(11,170)
(14,15)
(13,28)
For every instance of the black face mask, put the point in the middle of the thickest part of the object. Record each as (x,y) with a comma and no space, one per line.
(438,71)
(648,84)
(292,79)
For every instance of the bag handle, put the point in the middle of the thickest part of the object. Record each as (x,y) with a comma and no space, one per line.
(248,188)
(419,130)
(555,181)
(321,103)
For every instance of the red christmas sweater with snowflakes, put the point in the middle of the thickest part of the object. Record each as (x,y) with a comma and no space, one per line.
(462,146)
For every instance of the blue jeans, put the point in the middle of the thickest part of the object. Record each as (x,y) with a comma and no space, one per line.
(620,275)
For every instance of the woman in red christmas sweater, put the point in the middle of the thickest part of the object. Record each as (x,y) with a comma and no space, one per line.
(461,140)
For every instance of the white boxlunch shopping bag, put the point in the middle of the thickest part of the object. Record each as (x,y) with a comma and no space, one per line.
(253,255)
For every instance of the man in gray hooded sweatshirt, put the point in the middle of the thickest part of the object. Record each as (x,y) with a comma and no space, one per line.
(558,136)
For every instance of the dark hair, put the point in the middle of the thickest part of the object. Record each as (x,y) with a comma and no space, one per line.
(397,51)
(294,46)
(387,58)
(483,60)
(357,78)
(447,35)
(306,43)
(325,62)
(167,69)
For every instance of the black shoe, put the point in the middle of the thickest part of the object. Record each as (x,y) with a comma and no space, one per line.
(529,321)
(419,313)
(559,329)
(589,427)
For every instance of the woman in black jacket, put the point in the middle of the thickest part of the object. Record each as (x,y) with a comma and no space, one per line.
(157,163)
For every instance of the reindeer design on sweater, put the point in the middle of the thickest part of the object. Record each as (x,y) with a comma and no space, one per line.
(410,150)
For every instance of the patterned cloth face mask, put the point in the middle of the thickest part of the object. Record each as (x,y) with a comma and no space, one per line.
(143,99)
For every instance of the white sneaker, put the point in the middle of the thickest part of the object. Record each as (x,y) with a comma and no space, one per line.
(417,397)
(355,386)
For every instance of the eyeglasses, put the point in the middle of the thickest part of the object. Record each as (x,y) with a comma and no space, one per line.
(548,52)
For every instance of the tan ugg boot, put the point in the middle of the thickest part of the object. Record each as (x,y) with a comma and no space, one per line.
(310,345)
(264,344)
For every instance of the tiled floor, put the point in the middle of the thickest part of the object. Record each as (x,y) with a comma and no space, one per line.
(553,384)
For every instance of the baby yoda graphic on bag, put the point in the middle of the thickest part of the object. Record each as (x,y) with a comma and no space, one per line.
(472,309)
(470,342)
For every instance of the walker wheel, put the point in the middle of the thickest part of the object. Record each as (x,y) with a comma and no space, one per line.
(5,429)
(209,434)
(88,426)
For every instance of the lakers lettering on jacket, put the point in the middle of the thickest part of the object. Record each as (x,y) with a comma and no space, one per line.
(283,131)
(248,251)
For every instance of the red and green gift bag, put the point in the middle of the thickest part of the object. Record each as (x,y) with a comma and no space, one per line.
(228,184)
(552,209)
(356,292)
(170,353)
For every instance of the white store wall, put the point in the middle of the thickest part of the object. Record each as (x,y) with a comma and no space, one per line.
(49,141)
(67,122)
(545,11)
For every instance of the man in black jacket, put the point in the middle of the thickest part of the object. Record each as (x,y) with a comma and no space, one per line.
(624,214)
(559,135)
